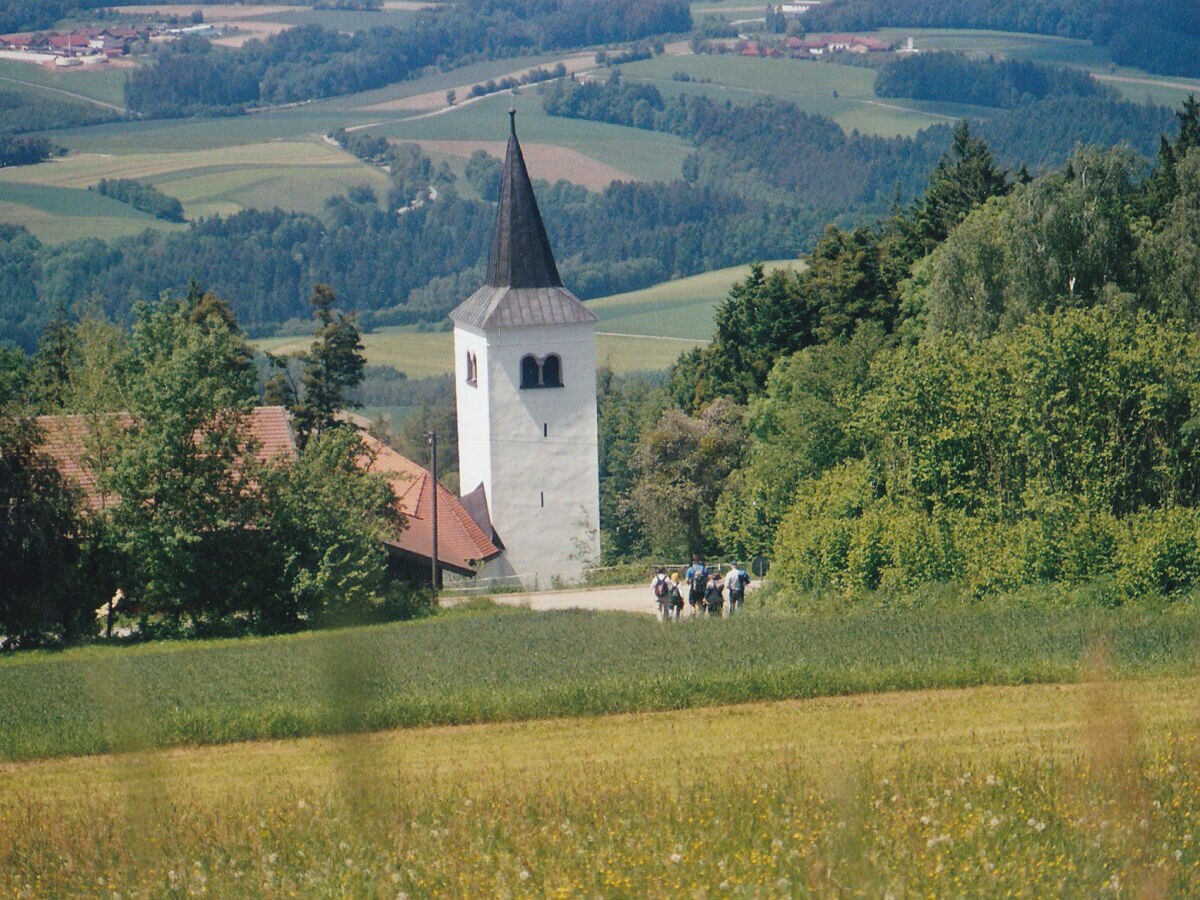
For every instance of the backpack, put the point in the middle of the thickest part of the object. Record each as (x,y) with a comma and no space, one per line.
(662,587)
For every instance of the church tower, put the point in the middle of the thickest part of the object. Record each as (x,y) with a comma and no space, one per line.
(525,383)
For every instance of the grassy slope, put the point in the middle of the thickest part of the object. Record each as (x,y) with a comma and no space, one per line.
(106,84)
(644,154)
(629,339)
(459,669)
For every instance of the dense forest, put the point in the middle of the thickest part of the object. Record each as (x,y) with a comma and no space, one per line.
(1161,36)
(996,386)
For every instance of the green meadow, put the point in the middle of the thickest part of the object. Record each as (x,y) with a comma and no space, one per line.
(105,84)
(1060,790)
(646,155)
(52,199)
(514,665)
(843,93)
(339,19)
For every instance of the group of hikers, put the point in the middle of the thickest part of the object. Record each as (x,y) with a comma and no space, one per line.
(706,590)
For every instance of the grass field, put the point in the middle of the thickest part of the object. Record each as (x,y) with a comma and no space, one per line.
(105,83)
(513,665)
(423,354)
(1060,790)
(844,93)
(644,154)
(296,175)
(630,335)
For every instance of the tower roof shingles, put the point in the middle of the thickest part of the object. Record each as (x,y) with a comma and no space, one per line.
(523,286)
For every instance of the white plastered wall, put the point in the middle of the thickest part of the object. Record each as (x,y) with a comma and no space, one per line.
(534,449)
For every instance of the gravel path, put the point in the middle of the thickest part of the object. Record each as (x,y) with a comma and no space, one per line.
(628,598)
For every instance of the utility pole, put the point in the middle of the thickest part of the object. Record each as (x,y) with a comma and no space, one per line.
(435,570)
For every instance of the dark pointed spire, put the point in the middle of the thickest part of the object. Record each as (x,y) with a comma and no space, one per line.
(521,255)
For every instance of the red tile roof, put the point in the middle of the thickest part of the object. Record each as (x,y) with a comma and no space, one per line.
(461,542)
(65,440)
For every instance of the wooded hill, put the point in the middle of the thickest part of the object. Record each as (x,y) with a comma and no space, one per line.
(996,386)
(763,180)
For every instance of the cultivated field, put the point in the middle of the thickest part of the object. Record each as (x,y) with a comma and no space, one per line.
(1076,789)
(552,163)
(295,175)
(464,667)
(591,153)
(645,155)
(639,331)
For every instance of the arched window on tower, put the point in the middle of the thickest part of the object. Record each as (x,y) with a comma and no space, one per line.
(552,371)
(530,372)
(472,368)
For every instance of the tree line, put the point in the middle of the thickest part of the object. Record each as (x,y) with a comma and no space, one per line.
(1161,36)
(954,78)
(192,77)
(996,386)
(141,196)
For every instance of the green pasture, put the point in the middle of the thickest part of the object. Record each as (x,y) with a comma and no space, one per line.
(457,669)
(630,335)
(58,214)
(843,93)
(103,83)
(681,309)
(424,354)
(340,19)
(643,154)
(290,124)
(293,175)
(296,189)
(435,82)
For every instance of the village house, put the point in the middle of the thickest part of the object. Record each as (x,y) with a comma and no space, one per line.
(463,543)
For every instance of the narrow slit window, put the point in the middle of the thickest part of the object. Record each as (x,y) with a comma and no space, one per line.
(543,499)
(545,429)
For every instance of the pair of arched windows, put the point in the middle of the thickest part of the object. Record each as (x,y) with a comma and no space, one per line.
(543,373)
(472,368)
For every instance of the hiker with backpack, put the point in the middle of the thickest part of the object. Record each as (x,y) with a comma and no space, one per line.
(661,585)
(676,598)
(735,583)
(697,579)
(714,598)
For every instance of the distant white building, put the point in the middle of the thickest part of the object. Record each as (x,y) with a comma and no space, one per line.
(525,385)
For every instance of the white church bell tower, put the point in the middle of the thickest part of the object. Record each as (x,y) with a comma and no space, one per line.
(525,382)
